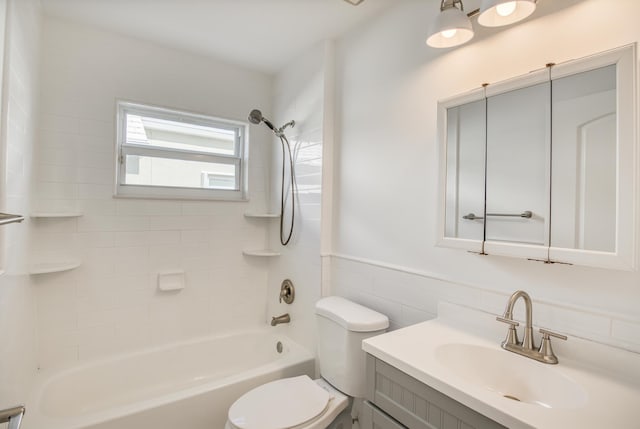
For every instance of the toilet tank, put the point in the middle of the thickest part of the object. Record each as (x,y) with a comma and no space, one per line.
(342,325)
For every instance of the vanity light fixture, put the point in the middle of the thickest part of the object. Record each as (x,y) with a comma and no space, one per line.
(452,27)
(496,13)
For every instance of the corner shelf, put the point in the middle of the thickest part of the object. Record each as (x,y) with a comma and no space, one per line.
(40,215)
(263,253)
(261,215)
(53,267)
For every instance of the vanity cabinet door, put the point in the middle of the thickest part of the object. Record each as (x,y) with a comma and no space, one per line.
(373,418)
(416,405)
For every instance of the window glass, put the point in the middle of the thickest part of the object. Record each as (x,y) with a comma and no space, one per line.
(145,130)
(168,153)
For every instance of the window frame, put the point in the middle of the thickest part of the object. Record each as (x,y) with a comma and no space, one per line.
(239,159)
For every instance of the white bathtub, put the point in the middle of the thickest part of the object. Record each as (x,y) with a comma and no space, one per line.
(189,385)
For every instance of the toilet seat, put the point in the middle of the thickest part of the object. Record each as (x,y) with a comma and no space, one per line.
(290,403)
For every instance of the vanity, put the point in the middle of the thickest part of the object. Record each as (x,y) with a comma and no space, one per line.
(544,167)
(415,404)
(451,372)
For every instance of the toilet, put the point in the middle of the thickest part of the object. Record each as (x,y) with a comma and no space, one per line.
(303,403)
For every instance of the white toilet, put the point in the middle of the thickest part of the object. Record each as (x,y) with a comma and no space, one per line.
(302,403)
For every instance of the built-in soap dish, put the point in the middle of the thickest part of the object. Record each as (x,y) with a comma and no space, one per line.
(169,281)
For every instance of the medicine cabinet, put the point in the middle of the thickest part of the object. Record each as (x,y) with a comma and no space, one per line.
(545,166)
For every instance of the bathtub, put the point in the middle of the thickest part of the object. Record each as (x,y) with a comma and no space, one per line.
(186,385)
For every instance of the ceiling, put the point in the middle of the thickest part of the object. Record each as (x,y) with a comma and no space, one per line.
(259,34)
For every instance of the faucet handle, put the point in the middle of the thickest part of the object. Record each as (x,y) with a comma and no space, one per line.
(545,350)
(511,322)
(512,334)
(547,333)
(287,292)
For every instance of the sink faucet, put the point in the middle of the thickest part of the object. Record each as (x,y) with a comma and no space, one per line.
(280,319)
(527,341)
(526,347)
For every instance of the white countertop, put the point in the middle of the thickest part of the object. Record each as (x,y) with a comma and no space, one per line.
(609,377)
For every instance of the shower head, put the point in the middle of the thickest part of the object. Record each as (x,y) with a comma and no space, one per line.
(255,117)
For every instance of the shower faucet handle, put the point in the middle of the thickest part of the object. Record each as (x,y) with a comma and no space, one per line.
(287,292)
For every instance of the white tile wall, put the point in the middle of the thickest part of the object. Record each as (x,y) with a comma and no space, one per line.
(299,95)
(110,304)
(408,296)
(17,301)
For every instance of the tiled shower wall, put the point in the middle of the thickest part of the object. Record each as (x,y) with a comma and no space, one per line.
(299,95)
(17,301)
(110,303)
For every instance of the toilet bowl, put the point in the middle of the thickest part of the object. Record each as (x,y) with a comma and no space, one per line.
(289,403)
(303,403)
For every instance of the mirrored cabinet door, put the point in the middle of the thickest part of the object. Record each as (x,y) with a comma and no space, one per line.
(594,200)
(465,171)
(518,133)
(583,193)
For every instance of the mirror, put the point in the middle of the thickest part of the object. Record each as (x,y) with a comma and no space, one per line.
(465,171)
(543,166)
(583,194)
(517,152)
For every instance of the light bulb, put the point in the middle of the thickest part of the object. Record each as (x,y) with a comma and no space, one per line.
(506,9)
(448,34)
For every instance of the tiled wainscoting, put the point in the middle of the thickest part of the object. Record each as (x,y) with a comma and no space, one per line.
(409,296)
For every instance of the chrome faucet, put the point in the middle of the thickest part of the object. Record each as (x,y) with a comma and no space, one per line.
(526,347)
(280,319)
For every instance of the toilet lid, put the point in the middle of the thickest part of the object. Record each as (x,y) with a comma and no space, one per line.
(280,404)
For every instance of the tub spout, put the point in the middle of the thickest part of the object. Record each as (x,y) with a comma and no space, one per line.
(280,319)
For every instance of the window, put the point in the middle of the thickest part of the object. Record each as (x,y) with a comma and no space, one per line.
(165,153)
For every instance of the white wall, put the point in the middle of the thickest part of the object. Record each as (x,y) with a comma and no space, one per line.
(17,301)
(299,94)
(385,234)
(110,304)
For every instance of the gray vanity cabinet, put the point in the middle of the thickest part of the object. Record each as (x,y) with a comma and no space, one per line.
(396,401)
(373,418)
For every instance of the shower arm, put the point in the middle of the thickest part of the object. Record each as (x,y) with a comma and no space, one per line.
(291,123)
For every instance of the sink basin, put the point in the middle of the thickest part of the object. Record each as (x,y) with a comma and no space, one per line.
(512,376)
(458,354)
